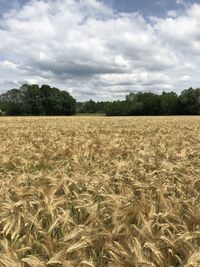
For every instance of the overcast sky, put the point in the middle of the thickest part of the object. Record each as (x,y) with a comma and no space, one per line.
(100,49)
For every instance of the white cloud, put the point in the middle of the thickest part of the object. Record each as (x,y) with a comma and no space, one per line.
(184,3)
(185,78)
(172,13)
(92,51)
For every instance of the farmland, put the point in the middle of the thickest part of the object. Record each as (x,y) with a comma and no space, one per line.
(99,191)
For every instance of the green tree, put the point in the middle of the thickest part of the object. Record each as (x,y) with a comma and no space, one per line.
(68,104)
(168,103)
(189,102)
(117,108)
(13,102)
(33,99)
(56,102)
(144,103)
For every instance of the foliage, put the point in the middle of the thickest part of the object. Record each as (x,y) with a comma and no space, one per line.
(189,102)
(147,103)
(169,103)
(90,107)
(46,100)
(35,100)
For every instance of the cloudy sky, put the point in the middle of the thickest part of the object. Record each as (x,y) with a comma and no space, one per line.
(100,49)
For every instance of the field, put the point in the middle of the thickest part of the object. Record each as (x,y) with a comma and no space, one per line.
(99,191)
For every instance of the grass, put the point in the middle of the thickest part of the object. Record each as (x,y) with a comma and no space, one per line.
(98,191)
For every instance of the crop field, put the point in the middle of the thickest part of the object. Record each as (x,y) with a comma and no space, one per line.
(99,191)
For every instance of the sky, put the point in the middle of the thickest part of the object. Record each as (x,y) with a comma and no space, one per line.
(100,49)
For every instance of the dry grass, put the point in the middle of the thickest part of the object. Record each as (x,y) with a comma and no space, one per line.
(100,192)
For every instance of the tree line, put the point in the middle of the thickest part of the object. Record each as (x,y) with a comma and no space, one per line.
(147,103)
(46,100)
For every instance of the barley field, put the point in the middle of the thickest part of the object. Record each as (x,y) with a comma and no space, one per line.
(99,191)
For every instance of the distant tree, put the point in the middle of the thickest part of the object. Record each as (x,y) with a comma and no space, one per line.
(117,108)
(68,104)
(35,100)
(135,105)
(144,103)
(90,107)
(150,103)
(54,102)
(13,102)
(45,95)
(168,103)
(100,106)
(113,108)
(189,102)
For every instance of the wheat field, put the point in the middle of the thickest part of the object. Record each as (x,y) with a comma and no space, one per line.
(98,191)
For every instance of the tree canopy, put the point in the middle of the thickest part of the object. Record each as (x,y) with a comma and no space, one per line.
(147,103)
(36,100)
(46,100)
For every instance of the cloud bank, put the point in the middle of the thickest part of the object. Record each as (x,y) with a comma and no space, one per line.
(95,52)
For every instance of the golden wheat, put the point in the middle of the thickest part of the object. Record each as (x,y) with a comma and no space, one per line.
(97,191)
